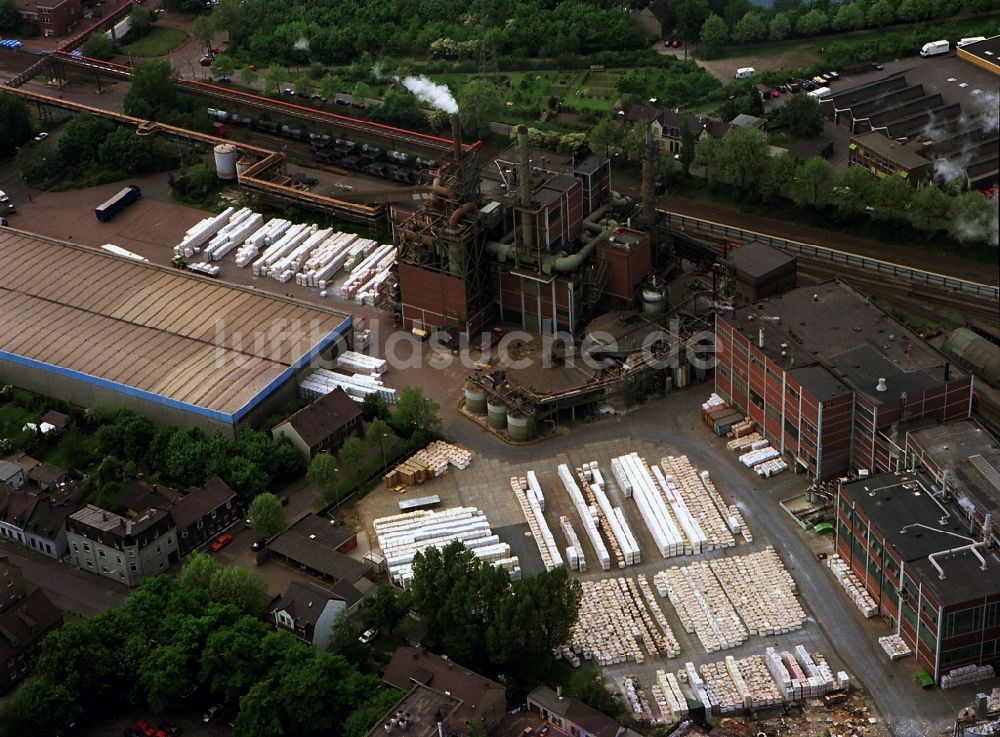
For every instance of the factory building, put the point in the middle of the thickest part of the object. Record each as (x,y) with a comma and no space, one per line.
(984,54)
(96,329)
(935,580)
(827,375)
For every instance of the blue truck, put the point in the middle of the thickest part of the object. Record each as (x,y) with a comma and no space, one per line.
(116,204)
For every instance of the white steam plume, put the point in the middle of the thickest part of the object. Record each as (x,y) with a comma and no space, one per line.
(986,107)
(430,92)
(302,44)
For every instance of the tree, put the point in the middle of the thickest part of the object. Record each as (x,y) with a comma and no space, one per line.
(15,123)
(304,85)
(687,147)
(397,108)
(930,209)
(364,718)
(352,453)
(232,658)
(10,19)
(142,20)
(706,155)
(850,16)
(329,87)
(360,91)
(881,13)
(714,32)
(812,23)
(203,29)
(222,66)
(197,572)
(573,144)
(750,27)
(414,411)
(385,610)
(99,46)
(126,152)
(742,159)
(152,93)
(244,589)
(374,407)
(853,192)
(323,472)
(604,135)
(691,15)
(274,76)
(779,27)
(480,103)
(892,199)
(779,178)
(39,701)
(186,458)
(248,76)
(814,187)
(803,116)
(973,219)
(589,686)
(266,515)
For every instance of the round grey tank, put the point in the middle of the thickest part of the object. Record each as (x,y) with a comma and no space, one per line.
(520,426)
(496,415)
(475,400)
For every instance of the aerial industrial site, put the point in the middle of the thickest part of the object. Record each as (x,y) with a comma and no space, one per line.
(574,369)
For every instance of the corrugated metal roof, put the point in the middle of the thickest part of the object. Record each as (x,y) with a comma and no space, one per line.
(103,318)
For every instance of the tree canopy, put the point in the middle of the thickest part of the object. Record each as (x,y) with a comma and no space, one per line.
(266,515)
(15,123)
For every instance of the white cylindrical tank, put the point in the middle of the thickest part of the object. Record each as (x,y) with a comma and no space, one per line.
(225,161)
(653,300)
(242,164)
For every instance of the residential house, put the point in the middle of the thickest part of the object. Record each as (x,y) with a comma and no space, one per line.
(11,475)
(46,528)
(322,426)
(25,619)
(138,496)
(667,126)
(572,717)
(124,549)
(53,17)
(749,121)
(16,508)
(308,611)
(656,18)
(203,512)
(483,702)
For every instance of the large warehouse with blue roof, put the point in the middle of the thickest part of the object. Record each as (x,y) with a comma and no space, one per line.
(96,329)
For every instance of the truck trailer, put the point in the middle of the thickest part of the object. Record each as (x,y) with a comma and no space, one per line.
(933,48)
(116,204)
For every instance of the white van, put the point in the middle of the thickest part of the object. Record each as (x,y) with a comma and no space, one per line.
(745,72)
(3,196)
(819,93)
(970,40)
(935,47)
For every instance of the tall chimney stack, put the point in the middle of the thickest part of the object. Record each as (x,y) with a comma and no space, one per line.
(524,189)
(456,136)
(648,185)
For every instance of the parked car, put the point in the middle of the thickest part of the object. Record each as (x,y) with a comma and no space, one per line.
(211,713)
(171,729)
(342,101)
(41,136)
(310,181)
(225,80)
(205,61)
(367,636)
(834,75)
(258,545)
(3,221)
(878,67)
(678,43)
(145,727)
(776,93)
(543,731)
(220,542)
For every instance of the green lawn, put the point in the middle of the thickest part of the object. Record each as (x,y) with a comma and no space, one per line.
(12,419)
(155,43)
(74,450)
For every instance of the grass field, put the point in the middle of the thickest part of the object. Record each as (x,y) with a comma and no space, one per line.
(12,419)
(157,42)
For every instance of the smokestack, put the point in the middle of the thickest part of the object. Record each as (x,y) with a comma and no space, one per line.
(947,371)
(648,205)
(881,387)
(456,135)
(760,338)
(524,189)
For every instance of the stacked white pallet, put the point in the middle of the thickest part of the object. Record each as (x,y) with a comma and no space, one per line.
(535,489)
(819,677)
(770,468)
(271,232)
(675,703)
(724,695)
(762,591)
(631,692)
(568,655)
(657,613)
(733,517)
(589,525)
(603,524)
(697,684)
(574,553)
(357,386)
(658,641)
(288,265)
(197,235)
(634,480)
(615,519)
(358,252)
(326,260)
(401,536)
(763,691)
(235,221)
(367,292)
(544,539)
(295,236)
(235,234)
(364,271)
(895,647)
(714,400)
(798,676)
(119,251)
(439,455)
(603,632)
(359,363)
(700,501)
(852,585)
(702,605)
(203,267)
(758,455)
(742,445)
(966,674)
(697,540)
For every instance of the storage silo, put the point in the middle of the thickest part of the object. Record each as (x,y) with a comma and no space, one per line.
(475,400)
(496,414)
(520,426)
(225,161)
(242,164)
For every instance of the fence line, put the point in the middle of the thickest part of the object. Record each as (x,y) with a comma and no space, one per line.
(832,255)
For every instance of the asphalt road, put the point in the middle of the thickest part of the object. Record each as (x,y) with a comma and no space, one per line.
(72,590)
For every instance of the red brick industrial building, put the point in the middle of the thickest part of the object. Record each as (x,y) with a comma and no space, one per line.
(826,375)
(54,18)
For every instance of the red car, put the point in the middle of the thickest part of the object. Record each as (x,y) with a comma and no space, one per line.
(677,43)
(775,93)
(145,727)
(220,542)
